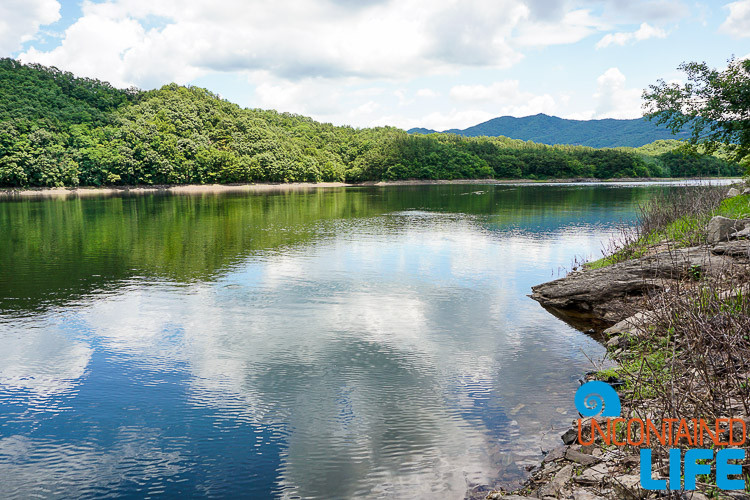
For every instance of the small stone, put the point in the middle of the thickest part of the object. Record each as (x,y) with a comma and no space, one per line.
(694,495)
(637,323)
(732,192)
(553,487)
(570,436)
(555,454)
(580,458)
(613,342)
(746,191)
(628,486)
(585,495)
(592,476)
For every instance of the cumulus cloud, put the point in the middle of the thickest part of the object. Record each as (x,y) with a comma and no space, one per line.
(292,40)
(505,97)
(656,11)
(645,32)
(427,93)
(614,99)
(469,105)
(20,21)
(737,24)
(340,61)
(571,28)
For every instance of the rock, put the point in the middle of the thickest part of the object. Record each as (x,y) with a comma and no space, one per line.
(740,234)
(580,458)
(592,476)
(499,495)
(719,228)
(694,495)
(555,454)
(553,487)
(605,294)
(732,192)
(746,191)
(636,324)
(737,248)
(628,486)
(618,342)
(570,436)
(586,495)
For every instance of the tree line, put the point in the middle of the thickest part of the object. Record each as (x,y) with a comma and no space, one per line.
(60,130)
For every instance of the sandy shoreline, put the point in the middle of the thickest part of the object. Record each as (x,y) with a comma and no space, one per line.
(64,192)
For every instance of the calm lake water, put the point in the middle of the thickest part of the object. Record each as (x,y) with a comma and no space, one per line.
(333,343)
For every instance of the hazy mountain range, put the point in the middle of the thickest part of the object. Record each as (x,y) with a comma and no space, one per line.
(547,129)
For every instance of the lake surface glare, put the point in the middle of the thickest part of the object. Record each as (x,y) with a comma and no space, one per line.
(329,343)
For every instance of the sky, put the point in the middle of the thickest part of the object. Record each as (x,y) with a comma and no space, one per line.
(437,64)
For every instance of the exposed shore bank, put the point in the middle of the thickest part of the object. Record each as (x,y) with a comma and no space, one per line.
(190,189)
(675,319)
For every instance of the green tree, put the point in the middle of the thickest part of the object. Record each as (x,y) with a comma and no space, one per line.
(714,105)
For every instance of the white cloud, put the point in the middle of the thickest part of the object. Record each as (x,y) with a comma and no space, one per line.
(473,104)
(437,120)
(645,32)
(292,40)
(656,11)
(613,99)
(20,21)
(427,93)
(505,97)
(573,27)
(344,62)
(326,99)
(737,24)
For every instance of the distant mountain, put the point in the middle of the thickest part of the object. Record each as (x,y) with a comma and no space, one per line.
(607,133)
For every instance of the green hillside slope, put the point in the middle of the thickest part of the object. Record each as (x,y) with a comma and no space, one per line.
(59,130)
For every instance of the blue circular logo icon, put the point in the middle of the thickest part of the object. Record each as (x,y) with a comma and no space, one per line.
(597,398)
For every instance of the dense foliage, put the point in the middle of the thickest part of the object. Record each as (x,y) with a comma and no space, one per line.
(713,105)
(546,129)
(59,130)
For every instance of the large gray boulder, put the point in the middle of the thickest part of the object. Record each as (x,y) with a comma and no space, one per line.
(719,228)
(600,298)
(733,192)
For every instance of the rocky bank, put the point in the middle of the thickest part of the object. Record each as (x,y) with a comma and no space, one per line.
(612,302)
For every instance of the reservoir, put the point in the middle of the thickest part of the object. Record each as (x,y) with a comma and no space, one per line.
(325,343)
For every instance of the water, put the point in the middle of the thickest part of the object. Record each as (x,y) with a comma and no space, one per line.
(332,343)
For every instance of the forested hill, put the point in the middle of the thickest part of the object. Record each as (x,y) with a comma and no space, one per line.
(545,129)
(57,129)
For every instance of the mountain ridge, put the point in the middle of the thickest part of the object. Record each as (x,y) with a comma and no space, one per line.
(547,129)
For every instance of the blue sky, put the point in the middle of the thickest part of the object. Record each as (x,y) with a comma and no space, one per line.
(431,63)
